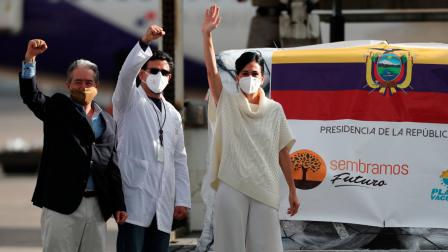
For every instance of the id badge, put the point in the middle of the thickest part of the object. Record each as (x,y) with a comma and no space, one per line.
(159,152)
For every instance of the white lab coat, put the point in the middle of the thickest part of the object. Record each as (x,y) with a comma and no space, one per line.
(150,186)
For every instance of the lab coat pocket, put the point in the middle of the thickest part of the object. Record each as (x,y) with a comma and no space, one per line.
(133,170)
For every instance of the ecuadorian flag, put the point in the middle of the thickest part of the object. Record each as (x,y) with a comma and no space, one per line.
(380,82)
(371,123)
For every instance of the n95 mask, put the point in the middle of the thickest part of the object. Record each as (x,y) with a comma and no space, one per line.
(157,82)
(249,84)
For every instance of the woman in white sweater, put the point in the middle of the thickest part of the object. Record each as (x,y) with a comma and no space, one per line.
(251,146)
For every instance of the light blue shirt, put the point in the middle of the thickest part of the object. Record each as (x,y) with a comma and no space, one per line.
(28,70)
(98,129)
(97,122)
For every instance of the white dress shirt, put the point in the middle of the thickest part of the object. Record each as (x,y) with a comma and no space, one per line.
(150,186)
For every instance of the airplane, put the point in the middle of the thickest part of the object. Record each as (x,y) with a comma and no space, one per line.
(104,31)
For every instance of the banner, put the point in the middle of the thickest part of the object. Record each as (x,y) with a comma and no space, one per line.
(371,124)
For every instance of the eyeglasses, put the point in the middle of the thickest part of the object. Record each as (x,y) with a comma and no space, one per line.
(156,71)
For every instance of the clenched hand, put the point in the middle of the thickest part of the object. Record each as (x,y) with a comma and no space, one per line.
(152,33)
(35,47)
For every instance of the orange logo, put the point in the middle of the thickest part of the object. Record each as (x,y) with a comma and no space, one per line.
(309,169)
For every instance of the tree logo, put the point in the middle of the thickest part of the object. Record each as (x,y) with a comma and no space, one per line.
(389,71)
(309,169)
(444,178)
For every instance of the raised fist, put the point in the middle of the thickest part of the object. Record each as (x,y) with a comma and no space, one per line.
(152,33)
(35,47)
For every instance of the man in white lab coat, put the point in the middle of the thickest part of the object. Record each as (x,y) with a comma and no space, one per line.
(151,150)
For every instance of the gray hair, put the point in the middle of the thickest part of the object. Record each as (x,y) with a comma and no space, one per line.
(83,63)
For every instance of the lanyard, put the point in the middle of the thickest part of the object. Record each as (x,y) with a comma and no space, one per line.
(161,124)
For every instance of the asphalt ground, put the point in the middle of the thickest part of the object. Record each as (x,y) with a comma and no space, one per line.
(20,220)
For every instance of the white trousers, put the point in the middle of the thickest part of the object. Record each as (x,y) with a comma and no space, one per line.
(242,224)
(82,231)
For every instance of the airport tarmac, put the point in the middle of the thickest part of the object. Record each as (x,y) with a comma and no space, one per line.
(20,220)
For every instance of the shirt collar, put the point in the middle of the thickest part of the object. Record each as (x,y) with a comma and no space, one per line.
(96,110)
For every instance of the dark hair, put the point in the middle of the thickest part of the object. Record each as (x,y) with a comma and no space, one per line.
(83,63)
(160,55)
(248,57)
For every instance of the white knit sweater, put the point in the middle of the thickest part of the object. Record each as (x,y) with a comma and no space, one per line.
(246,146)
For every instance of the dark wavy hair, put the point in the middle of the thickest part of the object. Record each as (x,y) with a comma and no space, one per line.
(248,57)
(160,55)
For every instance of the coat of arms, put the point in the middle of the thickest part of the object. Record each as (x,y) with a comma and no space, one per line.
(389,70)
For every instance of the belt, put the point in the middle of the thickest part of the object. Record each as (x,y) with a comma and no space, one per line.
(89,194)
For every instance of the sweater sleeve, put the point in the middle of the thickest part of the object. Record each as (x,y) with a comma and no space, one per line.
(286,138)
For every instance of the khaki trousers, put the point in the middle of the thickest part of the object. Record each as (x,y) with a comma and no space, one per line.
(82,231)
(242,224)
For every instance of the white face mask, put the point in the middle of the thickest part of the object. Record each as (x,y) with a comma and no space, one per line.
(157,82)
(249,84)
